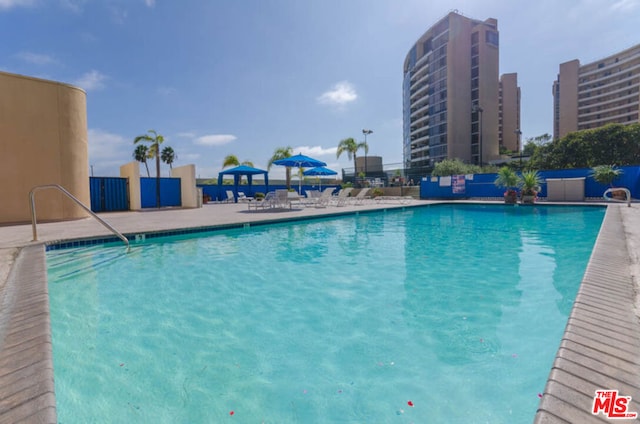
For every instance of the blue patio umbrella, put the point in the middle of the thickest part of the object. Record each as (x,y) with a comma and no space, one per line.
(299,161)
(320,171)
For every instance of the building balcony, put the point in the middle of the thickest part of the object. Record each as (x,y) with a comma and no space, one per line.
(420,109)
(623,76)
(607,104)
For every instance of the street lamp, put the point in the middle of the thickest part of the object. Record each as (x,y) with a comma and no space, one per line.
(518,136)
(366,149)
(476,108)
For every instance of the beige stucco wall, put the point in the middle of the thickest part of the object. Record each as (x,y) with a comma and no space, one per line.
(43,140)
(132,171)
(189,193)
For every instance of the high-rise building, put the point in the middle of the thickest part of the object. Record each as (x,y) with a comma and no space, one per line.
(598,93)
(509,133)
(451,94)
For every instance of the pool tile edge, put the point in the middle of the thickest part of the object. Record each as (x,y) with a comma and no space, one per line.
(25,345)
(610,247)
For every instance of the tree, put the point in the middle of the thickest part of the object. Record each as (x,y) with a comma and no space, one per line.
(155,140)
(168,156)
(140,154)
(282,153)
(351,147)
(230,160)
(450,167)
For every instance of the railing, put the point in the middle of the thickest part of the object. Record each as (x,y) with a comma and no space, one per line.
(78,202)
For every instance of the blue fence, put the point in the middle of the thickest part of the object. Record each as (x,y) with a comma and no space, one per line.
(109,194)
(481,185)
(216,192)
(170,192)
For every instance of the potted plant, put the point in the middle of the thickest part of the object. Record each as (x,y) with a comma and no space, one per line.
(606,174)
(529,183)
(508,179)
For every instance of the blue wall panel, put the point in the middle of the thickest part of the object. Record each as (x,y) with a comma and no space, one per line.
(170,192)
(482,184)
(109,194)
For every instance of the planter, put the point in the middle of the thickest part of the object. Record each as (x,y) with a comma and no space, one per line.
(528,199)
(619,195)
(511,198)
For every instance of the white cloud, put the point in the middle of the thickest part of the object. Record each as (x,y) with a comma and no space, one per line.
(340,94)
(625,5)
(314,151)
(108,151)
(150,3)
(36,58)
(186,134)
(8,4)
(166,90)
(73,5)
(215,139)
(92,80)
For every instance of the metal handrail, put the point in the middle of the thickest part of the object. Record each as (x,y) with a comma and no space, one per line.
(611,190)
(32,200)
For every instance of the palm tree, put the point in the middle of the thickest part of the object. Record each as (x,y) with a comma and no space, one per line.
(351,146)
(282,153)
(230,160)
(140,154)
(168,156)
(155,140)
(248,163)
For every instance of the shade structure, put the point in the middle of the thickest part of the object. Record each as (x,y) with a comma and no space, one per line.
(239,171)
(300,161)
(320,171)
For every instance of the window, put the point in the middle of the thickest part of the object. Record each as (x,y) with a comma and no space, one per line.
(492,38)
(474,38)
(474,50)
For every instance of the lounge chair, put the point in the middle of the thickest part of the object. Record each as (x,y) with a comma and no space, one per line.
(322,201)
(341,198)
(230,197)
(243,198)
(282,199)
(269,201)
(360,198)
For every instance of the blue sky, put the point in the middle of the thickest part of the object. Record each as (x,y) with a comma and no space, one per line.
(243,77)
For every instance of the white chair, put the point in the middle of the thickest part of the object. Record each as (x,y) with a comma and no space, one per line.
(269,201)
(230,197)
(243,198)
(361,197)
(341,198)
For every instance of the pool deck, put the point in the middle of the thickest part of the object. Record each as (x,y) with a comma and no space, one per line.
(600,348)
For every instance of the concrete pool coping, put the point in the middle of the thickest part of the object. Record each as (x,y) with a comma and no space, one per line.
(599,350)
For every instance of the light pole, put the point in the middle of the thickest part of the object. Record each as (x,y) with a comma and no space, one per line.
(366,149)
(476,108)
(518,136)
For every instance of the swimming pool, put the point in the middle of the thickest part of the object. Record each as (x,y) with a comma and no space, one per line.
(437,314)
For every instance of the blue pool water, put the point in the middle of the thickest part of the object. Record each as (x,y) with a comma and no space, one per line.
(437,314)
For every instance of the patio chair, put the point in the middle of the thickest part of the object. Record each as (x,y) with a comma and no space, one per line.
(282,199)
(341,198)
(243,198)
(230,197)
(361,197)
(269,201)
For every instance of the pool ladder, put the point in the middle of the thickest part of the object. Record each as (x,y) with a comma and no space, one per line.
(32,200)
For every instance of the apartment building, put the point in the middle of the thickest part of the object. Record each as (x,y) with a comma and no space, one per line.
(509,129)
(451,94)
(598,93)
